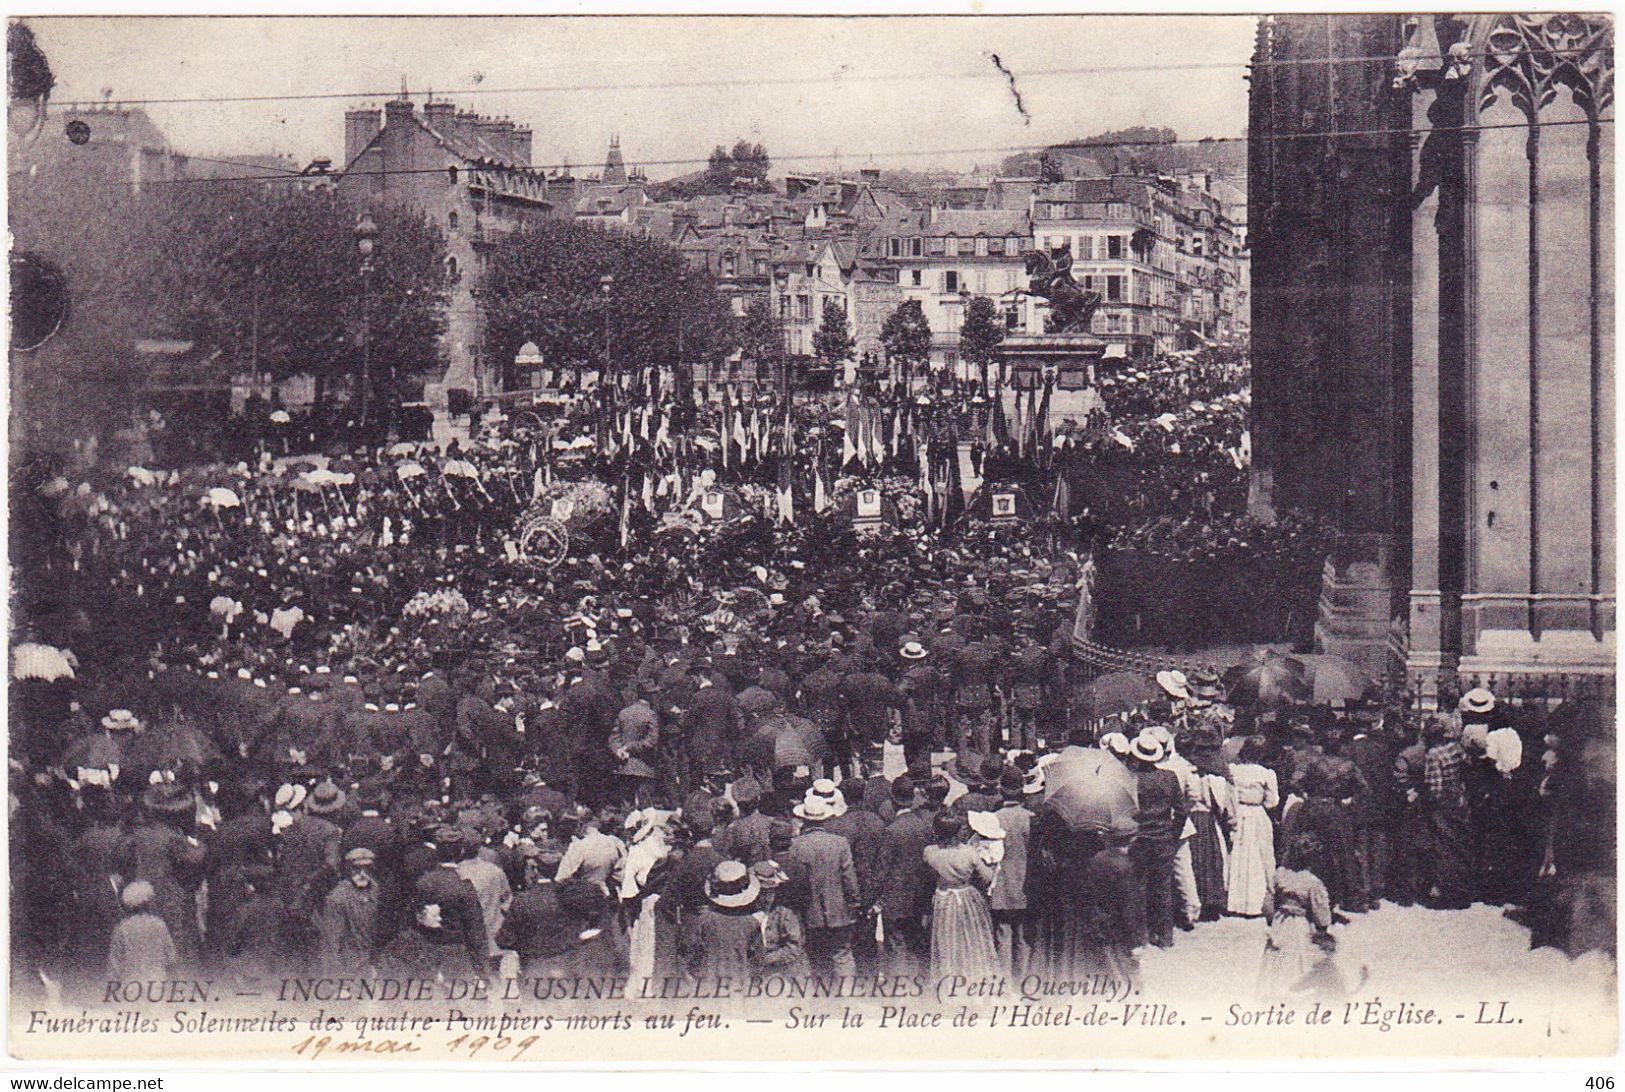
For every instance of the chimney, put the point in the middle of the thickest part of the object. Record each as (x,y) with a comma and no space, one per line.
(360,126)
(870,175)
(441,117)
(399,117)
(795,185)
(521,145)
(496,134)
(504,134)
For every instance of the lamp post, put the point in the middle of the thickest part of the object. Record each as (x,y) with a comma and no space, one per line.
(366,232)
(606,285)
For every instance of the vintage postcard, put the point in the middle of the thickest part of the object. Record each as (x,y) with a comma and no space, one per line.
(898,540)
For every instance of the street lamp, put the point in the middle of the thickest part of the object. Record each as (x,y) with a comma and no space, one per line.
(606,285)
(366,231)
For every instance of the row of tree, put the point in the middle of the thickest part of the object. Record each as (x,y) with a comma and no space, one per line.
(267,278)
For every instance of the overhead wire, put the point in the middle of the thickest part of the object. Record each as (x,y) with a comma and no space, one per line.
(784,81)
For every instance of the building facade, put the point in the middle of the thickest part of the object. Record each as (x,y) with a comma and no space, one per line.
(1432,237)
(471,176)
(946,257)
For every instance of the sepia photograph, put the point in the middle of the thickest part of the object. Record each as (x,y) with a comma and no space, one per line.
(1025,539)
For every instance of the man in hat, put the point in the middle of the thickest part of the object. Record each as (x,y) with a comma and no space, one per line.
(1162,814)
(825,884)
(975,667)
(747,839)
(921,688)
(870,701)
(906,882)
(712,727)
(349,917)
(161,851)
(1375,803)
(1008,897)
(865,832)
(307,859)
(1029,686)
(459,918)
(588,709)
(823,700)
(634,743)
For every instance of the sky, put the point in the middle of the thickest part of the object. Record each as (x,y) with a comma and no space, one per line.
(897,92)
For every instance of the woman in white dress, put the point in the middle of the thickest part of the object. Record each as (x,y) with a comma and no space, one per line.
(1251,868)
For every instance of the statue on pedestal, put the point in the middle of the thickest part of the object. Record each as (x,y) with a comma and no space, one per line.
(1049,276)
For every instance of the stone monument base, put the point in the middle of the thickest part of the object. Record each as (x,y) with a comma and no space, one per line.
(1072,357)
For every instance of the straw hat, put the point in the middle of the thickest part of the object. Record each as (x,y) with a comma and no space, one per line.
(1148,748)
(1174,683)
(732,885)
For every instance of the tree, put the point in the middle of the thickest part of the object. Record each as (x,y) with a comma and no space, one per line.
(260,277)
(761,337)
(832,341)
(907,337)
(746,166)
(543,284)
(979,338)
(270,276)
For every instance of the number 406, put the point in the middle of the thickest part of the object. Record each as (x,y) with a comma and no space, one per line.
(1602,1084)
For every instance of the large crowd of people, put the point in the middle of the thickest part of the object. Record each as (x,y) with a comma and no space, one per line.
(335,716)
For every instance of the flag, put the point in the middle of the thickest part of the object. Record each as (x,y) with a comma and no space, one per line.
(1041,435)
(848,451)
(925,482)
(648,493)
(787,512)
(820,495)
(626,512)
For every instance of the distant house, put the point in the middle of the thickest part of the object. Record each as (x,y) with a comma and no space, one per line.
(470,175)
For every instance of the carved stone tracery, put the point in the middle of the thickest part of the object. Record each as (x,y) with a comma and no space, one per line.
(1530,56)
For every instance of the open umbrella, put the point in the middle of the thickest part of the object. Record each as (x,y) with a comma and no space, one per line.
(402,449)
(1268,679)
(36,661)
(221,497)
(280,417)
(141,475)
(1334,678)
(95,751)
(1117,692)
(172,746)
(459,468)
(1090,791)
(410,470)
(778,743)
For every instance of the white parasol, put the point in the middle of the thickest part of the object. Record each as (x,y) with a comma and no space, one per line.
(36,661)
(221,497)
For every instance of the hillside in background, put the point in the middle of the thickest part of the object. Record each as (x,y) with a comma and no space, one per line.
(1141,149)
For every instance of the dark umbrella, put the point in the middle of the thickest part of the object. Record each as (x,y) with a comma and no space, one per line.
(94,751)
(1269,679)
(1090,797)
(1117,692)
(173,746)
(778,743)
